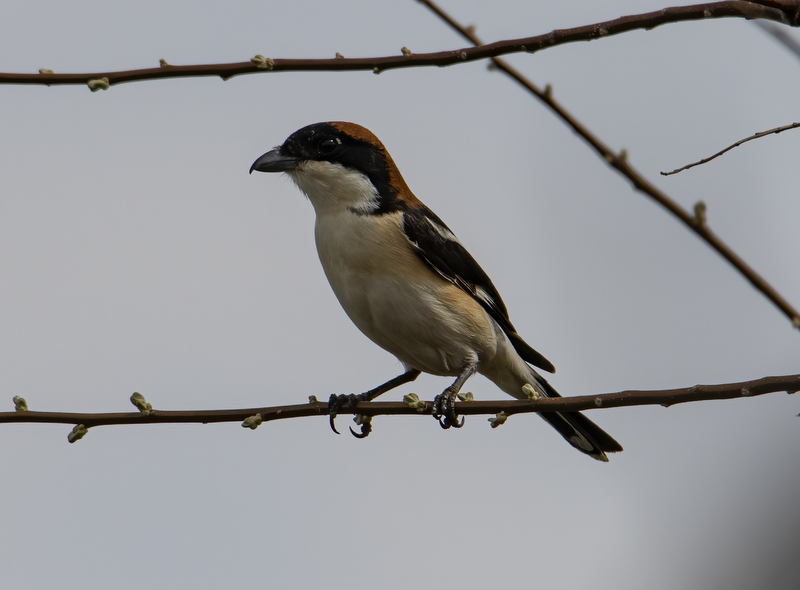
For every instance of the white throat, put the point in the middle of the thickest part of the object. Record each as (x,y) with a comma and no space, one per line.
(334,188)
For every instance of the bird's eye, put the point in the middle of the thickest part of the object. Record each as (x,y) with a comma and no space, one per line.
(327,146)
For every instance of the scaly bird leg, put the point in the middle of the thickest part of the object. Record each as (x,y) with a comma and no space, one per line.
(444,404)
(337,402)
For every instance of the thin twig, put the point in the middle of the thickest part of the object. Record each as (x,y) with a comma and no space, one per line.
(730,147)
(789,41)
(712,10)
(666,398)
(620,163)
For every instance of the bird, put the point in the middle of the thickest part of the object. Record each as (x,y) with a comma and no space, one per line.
(407,282)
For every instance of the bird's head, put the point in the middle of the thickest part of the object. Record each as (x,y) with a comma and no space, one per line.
(340,165)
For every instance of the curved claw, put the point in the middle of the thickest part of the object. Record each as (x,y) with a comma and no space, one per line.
(444,410)
(448,422)
(365,430)
(338,401)
(332,419)
(366,426)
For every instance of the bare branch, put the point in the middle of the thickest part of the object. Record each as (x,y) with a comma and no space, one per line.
(666,398)
(620,162)
(785,13)
(791,7)
(782,35)
(730,147)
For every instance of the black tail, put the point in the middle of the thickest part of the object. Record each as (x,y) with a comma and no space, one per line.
(578,430)
(583,434)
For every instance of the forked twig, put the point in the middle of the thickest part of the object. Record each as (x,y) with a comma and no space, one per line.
(779,10)
(620,162)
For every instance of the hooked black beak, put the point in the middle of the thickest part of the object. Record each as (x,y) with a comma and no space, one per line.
(274,161)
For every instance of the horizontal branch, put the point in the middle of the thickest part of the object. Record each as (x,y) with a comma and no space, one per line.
(666,398)
(782,12)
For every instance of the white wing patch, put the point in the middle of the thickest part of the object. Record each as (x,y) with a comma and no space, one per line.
(442,231)
(481,294)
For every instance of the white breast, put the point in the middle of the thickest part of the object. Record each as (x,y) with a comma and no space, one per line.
(392,296)
(388,292)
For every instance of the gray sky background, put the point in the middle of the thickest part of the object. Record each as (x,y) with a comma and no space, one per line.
(136,254)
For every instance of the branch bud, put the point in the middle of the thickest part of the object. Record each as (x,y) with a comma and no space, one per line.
(100,84)
(137,399)
(262,63)
(252,422)
(530,392)
(499,419)
(361,419)
(77,433)
(412,401)
(699,213)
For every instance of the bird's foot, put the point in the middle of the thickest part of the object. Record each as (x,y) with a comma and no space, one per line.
(336,402)
(444,409)
(365,422)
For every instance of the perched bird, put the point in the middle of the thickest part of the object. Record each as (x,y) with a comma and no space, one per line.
(407,282)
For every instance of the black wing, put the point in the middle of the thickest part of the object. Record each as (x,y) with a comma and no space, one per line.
(433,241)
